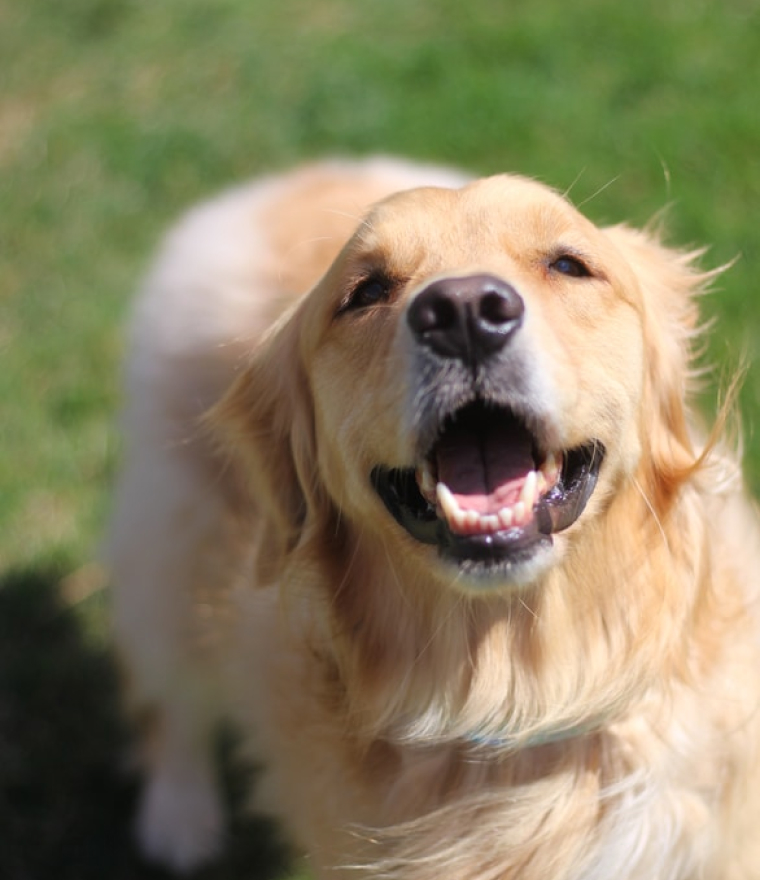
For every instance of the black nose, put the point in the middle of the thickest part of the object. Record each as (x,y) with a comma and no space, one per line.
(466,318)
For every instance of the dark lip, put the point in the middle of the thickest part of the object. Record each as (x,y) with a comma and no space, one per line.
(554,512)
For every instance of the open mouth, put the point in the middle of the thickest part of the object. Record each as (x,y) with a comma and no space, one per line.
(486,492)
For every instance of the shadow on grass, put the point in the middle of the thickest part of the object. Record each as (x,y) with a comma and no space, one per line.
(65,806)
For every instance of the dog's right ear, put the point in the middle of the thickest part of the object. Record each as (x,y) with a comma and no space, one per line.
(265,422)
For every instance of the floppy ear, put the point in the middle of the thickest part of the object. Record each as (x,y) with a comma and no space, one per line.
(670,284)
(266,422)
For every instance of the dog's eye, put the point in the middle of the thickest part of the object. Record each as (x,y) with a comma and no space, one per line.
(573,267)
(370,292)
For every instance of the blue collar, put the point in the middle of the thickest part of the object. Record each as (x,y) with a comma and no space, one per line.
(550,736)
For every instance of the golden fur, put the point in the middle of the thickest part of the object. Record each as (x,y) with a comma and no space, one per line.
(582,709)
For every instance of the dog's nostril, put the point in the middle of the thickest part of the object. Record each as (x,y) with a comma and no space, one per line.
(468,318)
(433,311)
(501,307)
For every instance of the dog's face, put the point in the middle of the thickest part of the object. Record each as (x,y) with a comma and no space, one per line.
(477,374)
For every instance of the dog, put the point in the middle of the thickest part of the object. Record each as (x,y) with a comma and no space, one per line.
(415,497)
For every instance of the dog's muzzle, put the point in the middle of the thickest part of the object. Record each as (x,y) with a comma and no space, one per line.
(484,491)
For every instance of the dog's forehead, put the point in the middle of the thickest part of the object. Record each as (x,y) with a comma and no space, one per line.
(503,194)
(485,211)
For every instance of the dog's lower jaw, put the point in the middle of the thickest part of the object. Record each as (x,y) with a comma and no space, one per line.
(486,576)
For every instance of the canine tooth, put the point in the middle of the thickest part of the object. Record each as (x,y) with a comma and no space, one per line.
(506,517)
(528,493)
(426,480)
(448,502)
(550,468)
(542,485)
(518,512)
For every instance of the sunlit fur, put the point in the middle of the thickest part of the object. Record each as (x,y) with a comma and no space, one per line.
(598,721)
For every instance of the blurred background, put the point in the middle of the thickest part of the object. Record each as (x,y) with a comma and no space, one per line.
(115,115)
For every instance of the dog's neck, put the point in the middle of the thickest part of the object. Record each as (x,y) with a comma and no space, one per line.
(423,665)
(468,675)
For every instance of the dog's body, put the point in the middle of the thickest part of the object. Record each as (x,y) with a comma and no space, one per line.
(456,569)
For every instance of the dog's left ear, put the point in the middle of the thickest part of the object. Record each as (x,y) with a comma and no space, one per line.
(670,284)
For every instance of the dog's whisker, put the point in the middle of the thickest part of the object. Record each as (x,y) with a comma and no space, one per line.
(358,217)
(527,607)
(652,511)
(598,192)
(578,176)
(666,175)
(397,580)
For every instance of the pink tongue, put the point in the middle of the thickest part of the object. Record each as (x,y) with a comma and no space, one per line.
(484,466)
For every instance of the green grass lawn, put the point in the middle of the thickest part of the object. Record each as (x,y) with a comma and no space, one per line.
(117,114)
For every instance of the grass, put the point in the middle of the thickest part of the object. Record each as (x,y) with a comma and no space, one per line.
(116,114)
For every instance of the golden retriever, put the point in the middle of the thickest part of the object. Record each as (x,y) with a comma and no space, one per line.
(449,549)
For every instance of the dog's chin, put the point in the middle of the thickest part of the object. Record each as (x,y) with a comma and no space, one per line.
(488,498)
(489,566)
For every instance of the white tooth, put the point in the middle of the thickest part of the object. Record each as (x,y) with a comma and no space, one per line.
(447,501)
(506,517)
(518,512)
(490,523)
(542,484)
(426,480)
(528,493)
(468,521)
(550,468)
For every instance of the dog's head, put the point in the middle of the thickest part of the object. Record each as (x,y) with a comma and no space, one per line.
(473,381)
